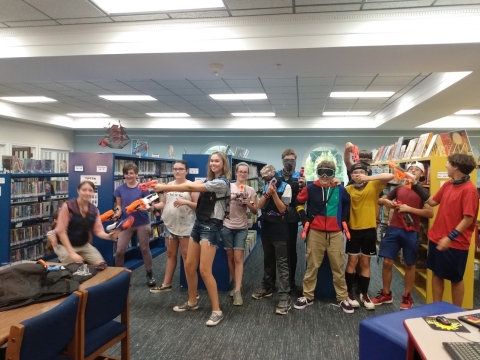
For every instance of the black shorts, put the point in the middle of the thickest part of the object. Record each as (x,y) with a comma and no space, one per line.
(449,264)
(362,242)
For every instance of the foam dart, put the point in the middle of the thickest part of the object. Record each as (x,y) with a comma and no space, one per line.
(305,230)
(345,230)
(107,215)
(241,188)
(147,185)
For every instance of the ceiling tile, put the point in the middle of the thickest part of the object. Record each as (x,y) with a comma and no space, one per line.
(144,17)
(370,101)
(22,86)
(198,14)
(385,88)
(82,85)
(456,2)
(337,107)
(58,9)
(253,83)
(267,82)
(90,20)
(52,86)
(210,84)
(314,95)
(253,102)
(325,2)
(392,80)
(247,90)
(313,89)
(281,90)
(396,4)
(349,88)
(3,25)
(342,101)
(112,85)
(272,11)
(256,4)
(16,10)
(327,8)
(353,80)
(175,84)
(283,96)
(30,23)
(283,102)
(312,101)
(316,81)
(188,92)
(365,107)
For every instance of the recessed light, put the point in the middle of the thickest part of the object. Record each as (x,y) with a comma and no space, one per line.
(467,112)
(346,113)
(264,114)
(147,6)
(88,115)
(168,114)
(238,96)
(361,94)
(127,97)
(27,99)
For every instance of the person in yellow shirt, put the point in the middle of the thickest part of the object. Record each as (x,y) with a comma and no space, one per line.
(362,223)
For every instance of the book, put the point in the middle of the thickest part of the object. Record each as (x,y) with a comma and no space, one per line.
(403,148)
(398,148)
(422,142)
(444,144)
(410,149)
(7,163)
(460,142)
(431,144)
(386,153)
(379,153)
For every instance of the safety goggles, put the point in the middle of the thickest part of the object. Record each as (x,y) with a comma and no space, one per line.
(325,172)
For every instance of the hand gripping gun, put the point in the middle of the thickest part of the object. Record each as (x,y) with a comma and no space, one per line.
(401,174)
(406,217)
(142,204)
(147,185)
(108,215)
(121,225)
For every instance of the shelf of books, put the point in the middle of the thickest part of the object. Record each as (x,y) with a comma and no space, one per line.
(29,199)
(105,171)
(197,164)
(432,152)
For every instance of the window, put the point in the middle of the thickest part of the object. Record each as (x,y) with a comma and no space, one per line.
(60,157)
(321,153)
(218,147)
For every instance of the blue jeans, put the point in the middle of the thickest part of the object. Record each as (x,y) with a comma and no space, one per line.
(234,238)
(207,230)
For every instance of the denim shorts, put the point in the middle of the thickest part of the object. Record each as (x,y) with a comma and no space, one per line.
(449,264)
(234,238)
(207,230)
(396,239)
(169,235)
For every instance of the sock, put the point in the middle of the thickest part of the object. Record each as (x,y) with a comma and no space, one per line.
(356,277)
(191,304)
(349,279)
(364,283)
(217,312)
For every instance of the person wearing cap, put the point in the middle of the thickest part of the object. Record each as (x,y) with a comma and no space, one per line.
(276,196)
(365,156)
(451,232)
(401,235)
(362,223)
(327,205)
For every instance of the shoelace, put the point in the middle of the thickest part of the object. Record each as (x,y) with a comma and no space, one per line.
(302,299)
(405,299)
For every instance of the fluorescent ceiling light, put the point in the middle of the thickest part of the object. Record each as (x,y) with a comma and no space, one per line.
(361,94)
(27,99)
(346,113)
(127,97)
(238,96)
(148,6)
(168,114)
(467,112)
(88,115)
(264,114)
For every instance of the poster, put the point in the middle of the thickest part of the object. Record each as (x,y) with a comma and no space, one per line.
(140,147)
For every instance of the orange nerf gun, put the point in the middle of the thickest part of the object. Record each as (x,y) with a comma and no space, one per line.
(147,185)
(355,154)
(345,230)
(121,225)
(305,230)
(108,216)
(401,174)
(142,204)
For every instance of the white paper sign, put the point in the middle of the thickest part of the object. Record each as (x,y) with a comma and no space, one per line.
(101,168)
(193,171)
(155,155)
(442,175)
(96,179)
(78,168)
(2,180)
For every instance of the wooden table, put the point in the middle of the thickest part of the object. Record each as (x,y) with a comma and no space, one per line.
(15,316)
(428,342)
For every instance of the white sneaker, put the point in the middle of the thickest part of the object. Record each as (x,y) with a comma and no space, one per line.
(352,301)
(365,300)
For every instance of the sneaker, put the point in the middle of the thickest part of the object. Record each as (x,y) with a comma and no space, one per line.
(346,307)
(261,293)
(352,301)
(162,288)
(185,307)
(214,319)
(282,307)
(407,302)
(302,303)
(382,298)
(365,301)
(150,280)
(232,292)
(237,298)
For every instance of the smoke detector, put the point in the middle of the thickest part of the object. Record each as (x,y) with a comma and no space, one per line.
(216,69)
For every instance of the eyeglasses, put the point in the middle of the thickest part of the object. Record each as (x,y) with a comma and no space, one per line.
(242,172)
(325,172)
(178,169)
(359,172)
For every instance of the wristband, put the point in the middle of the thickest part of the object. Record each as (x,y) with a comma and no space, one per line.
(453,235)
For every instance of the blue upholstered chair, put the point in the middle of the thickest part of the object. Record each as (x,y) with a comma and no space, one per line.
(98,330)
(46,336)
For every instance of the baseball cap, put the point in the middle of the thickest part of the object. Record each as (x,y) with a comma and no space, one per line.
(359,165)
(267,171)
(417,164)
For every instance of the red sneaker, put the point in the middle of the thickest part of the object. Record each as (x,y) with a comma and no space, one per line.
(383,298)
(407,302)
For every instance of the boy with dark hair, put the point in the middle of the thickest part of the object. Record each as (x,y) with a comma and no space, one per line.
(362,223)
(328,204)
(276,196)
(402,235)
(451,232)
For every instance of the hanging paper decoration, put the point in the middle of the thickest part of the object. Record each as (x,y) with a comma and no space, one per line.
(115,137)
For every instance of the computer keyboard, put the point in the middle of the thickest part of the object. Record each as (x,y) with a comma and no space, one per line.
(463,350)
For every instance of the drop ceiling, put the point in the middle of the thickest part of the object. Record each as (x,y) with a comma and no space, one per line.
(297,52)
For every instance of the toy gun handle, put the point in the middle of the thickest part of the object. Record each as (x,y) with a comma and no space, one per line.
(355,154)
(345,230)
(408,219)
(134,205)
(305,230)
(107,215)
(145,186)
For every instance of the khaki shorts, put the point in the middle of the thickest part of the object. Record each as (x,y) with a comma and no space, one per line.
(88,252)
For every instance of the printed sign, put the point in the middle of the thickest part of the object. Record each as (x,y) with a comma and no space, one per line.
(78,168)
(442,175)
(193,171)
(95,179)
(2,180)
(101,168)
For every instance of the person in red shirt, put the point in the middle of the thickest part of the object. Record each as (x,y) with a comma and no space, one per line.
(451,232)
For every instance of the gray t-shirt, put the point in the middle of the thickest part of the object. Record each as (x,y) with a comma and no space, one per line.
(221,188)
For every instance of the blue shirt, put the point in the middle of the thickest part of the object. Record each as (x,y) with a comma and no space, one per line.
(129,195)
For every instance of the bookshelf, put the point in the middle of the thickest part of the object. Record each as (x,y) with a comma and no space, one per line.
(27,202)
(105,171)
(436,176)
(197,164)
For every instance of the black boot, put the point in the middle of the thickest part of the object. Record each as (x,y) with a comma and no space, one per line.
(150,280)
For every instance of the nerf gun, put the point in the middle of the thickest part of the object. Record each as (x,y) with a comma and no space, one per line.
(108,216)
(305,230)
(302,171)
(406,217)
(400,174)
(355,154)
(147,185)
(142,204)
(345,230)
(121,225)
(242,189)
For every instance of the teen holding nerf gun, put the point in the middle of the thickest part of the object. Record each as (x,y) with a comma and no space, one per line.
(327,206)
